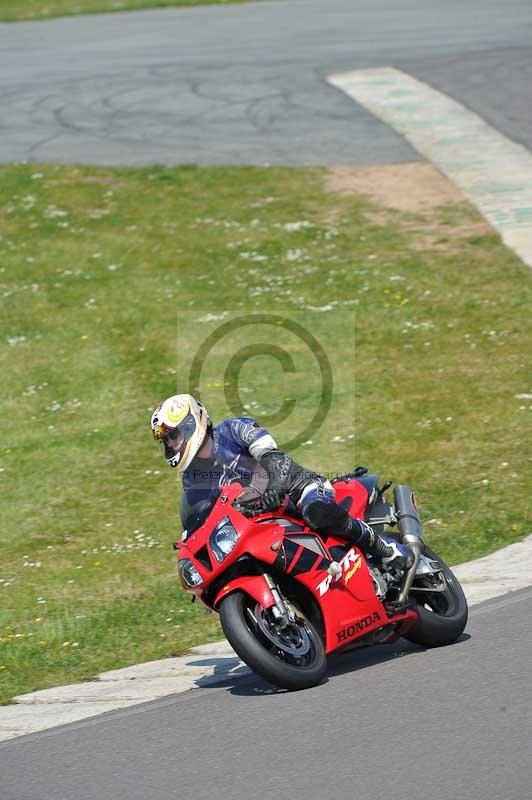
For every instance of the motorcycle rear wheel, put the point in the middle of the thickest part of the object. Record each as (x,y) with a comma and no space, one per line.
(442,615)
(292,659)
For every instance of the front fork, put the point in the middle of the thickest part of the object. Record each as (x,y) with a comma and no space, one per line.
(282,612)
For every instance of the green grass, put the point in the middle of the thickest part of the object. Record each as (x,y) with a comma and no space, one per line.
(96,263)
(20,10)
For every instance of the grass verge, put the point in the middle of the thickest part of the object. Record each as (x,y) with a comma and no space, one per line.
(24,10)
(94,264)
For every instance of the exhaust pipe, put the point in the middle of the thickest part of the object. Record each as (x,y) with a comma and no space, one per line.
(408,521)
(410,532)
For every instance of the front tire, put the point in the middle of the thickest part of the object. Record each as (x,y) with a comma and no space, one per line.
(291,659)
(442,615)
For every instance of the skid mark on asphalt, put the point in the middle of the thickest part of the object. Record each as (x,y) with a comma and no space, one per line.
(493,172)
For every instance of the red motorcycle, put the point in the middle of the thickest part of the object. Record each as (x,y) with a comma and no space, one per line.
(287,597)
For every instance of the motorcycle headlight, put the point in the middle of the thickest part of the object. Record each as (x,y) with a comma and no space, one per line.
(189,573)
(223,539)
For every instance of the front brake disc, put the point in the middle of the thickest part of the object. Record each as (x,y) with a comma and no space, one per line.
(281,638)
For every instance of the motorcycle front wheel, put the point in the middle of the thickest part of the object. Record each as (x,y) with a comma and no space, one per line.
(441,606)
(292,657)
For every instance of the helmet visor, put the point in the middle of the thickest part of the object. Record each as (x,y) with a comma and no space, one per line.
(175,440)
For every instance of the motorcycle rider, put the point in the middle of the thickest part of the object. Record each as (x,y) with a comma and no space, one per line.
(210,457)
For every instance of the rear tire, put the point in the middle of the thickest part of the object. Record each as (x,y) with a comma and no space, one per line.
(445,618)
(238,615)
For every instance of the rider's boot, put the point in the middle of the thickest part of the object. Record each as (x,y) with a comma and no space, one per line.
(330,519)
(386,550)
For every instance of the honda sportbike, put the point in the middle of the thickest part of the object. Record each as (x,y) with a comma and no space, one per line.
(287,597)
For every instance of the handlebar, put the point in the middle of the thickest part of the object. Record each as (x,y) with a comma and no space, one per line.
(250,508)
(254,508)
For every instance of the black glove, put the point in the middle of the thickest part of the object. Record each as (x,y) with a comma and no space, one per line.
(273,496)
(278,465)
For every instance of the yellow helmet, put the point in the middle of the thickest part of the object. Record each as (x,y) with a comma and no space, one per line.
(180,423)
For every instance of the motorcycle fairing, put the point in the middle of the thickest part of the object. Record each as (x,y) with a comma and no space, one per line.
(349,606)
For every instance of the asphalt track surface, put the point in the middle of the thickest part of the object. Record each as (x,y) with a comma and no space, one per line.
(246,84)
(392,721)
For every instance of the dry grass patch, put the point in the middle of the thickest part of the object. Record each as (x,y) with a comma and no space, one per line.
(418,198)
(403,187)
